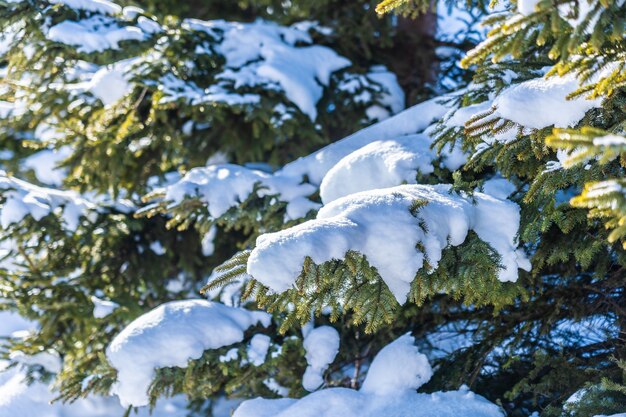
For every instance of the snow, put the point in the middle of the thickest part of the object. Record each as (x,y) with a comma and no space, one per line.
(263,52)
(130,12)
(380,164)
(49,360)
(94,34)
(174,89)
(609,140)
(457,23)
(149,26)
(542,102)
(321,345)
(157,248)
(601,190)
(23,199)
(19,398)
(498,187)
(110,83)
(300,71)
(98,6)
(208,244)
(102,308)
(276,387)
(388,390)
(223,186)
(171,335)
(384,377)
(45,165)
(526,7)
(257,349)
(231,355)
(576,12)
(413,120)
(379,225)
(392,97)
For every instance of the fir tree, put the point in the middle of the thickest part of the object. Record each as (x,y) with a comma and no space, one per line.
(195,157)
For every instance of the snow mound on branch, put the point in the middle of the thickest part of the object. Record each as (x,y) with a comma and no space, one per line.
(171,335)
(543,102)
(379,225)
(321,345)
(388,390)
(526,7)
(263,52)
(94,34)
(257,349)
(22,199)
(102,308)
(393,96)
(382,164)
(21,398)
(223,186)
(99,6)
(110,83)
(413,120)
(45,164)
(398,367)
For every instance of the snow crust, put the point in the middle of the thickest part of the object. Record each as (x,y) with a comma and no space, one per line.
(321,345)
(171,335)
(388,390)
(379,224)
(24,199)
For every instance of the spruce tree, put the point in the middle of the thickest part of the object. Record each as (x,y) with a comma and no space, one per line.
(200,240)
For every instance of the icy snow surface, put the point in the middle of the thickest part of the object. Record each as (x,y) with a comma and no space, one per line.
(23,199)
(171,335)
(379,224)
(388,390)
(321,345)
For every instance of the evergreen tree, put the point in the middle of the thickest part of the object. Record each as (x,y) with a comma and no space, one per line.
(194,156)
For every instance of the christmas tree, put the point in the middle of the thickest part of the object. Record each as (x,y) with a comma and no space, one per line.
(226,208)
